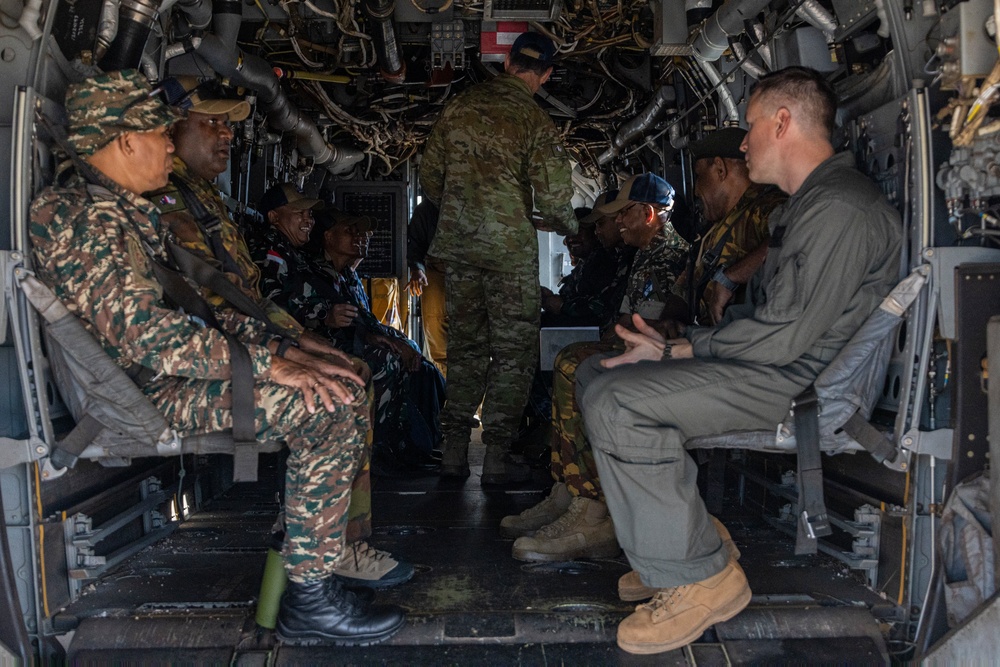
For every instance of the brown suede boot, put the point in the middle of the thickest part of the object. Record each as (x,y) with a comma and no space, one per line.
(584,531)
(675,617)
(631,588)
(542,514)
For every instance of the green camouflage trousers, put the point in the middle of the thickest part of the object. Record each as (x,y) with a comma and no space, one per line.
(324,451)
(359,512)
(492,352)
(572,458)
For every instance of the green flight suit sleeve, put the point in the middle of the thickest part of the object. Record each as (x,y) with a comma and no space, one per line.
(432,163)
(821,266)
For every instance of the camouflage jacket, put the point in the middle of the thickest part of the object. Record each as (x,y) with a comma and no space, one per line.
(291,278)
(90,246)
(493,156)
(654,271)
(748,220)
(191,234)
(588,291)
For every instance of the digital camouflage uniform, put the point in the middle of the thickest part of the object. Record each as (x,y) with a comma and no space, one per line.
(654,271)
(748,220)
(90,242)
(591,292)
(492,157)
(309,289)
(233,259)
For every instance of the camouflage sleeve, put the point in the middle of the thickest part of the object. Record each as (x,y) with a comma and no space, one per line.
(432,162)
(101,273)
(550,175)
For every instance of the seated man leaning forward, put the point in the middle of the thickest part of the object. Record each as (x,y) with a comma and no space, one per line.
(834,255)
(95,241)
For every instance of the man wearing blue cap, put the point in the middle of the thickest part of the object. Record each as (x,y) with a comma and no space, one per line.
(492,159)
(573,521)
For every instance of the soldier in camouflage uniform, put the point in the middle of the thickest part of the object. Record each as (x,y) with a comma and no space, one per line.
(587,295)
(95,240)
(573,521)
(321,298)
(492,157)
(735,245)
(193,211)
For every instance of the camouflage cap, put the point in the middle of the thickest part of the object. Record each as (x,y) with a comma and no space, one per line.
(102,107)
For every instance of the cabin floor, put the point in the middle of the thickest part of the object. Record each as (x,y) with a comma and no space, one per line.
(191,597)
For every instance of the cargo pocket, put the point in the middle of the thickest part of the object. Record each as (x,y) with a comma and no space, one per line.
(784,294)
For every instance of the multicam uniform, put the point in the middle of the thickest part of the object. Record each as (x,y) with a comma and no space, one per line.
(748,221)
(89,245)
(226,250)
(492,157)
(654,271)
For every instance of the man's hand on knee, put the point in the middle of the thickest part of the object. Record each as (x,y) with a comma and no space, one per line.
(311,382)
(338,366)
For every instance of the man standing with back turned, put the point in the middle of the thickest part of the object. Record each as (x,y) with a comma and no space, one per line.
(492,158)
(833,256)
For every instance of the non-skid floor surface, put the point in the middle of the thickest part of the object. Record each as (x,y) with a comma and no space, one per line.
(190,597)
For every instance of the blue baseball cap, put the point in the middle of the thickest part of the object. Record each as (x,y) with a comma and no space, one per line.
(642,188)
(534,45)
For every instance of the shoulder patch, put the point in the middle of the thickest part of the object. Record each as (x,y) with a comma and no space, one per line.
(167,200)
(272,256)
(558,150)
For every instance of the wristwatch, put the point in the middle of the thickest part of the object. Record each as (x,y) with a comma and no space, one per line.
(668,349)
(721,278)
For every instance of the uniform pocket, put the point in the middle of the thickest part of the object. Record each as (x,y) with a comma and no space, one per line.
(785,302)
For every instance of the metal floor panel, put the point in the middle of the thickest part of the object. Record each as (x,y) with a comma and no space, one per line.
(469,603)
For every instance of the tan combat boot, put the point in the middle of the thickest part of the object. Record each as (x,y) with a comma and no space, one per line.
(499,467)
(454,461)
(675,617)
(631,588)
(544,513)
(584,531)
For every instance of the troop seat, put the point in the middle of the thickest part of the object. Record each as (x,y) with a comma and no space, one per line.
(831,415)
(114,419)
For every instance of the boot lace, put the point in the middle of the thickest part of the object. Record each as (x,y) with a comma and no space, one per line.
(569,518)
(665,599)
(363,556)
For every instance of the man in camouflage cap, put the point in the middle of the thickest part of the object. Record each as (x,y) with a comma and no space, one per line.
(199,221)
(492,157)
(95,241)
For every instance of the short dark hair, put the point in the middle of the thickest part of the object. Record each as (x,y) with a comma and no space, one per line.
(806,87)
(522,63)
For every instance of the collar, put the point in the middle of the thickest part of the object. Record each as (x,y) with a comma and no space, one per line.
(512,81)
(821,173)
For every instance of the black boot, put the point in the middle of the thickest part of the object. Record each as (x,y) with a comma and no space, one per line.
(322,611)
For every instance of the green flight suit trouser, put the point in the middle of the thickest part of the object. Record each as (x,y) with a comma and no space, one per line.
(638,417)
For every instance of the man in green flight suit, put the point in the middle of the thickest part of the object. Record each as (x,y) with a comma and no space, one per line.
(493,157)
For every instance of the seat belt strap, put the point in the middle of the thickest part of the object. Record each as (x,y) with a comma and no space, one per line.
(242,383)
(206,275)
(67,451)
(812,521)
(869,437)
(210,225)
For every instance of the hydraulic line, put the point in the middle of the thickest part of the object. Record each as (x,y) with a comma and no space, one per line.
(135,20)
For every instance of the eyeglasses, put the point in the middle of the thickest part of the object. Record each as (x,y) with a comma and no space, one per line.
(624,211)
